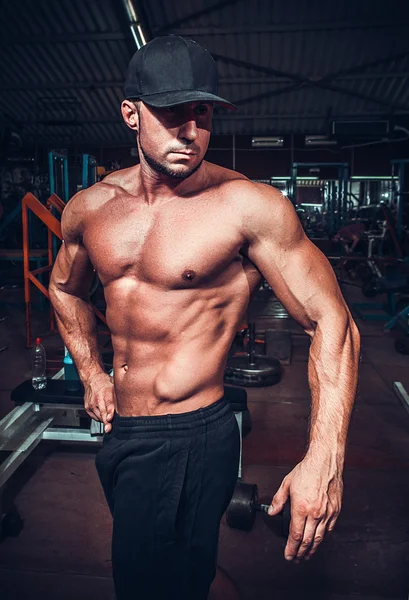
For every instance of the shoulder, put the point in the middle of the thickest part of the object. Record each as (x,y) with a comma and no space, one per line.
(218,176)
(118,182)
(86,203)
(264,211)
(123,179)
(253,199)
(237,186)
(257,205)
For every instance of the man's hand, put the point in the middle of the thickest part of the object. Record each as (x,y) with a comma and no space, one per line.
(315,505)
(100,400)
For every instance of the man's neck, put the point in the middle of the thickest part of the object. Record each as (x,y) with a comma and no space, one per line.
(157,188)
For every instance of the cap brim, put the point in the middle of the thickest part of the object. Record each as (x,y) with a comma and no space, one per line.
(181,97)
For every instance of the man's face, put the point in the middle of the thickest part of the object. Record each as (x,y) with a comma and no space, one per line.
(174,140)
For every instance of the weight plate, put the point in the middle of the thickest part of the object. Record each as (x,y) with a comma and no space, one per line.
(263,371)
(241,513)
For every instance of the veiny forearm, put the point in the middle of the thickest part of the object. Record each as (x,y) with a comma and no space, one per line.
(333,376)
(77,325)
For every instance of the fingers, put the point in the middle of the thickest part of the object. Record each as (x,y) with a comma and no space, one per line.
(102,411)
(319,536)
(100,406)
(308,538)
(279,499)
(296,535)
(94,413)
(110,411)
(306,534)
(332,520)
(102,415)
(108,418)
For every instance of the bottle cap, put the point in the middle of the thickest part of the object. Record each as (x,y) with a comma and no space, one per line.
(38,341)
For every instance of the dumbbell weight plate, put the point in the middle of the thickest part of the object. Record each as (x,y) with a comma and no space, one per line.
(241,512)
(263,371)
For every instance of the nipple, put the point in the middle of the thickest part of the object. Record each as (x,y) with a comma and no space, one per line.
(189,275)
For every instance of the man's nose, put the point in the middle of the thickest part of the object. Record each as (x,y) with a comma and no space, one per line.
(189,131)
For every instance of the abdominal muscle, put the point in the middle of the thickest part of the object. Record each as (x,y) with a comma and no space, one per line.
(170,346)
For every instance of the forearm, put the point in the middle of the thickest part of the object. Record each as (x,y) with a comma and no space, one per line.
(77,325)
(333,375)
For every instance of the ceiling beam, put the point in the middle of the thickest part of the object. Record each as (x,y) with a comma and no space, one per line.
(194,15)
(287,116)
(270,94)
(75,85)
(391,106)
(290,27)
(53,38)
(259,68)
(322,82)
(357,69)
(88,85)
(113,120)
(260,80)
(118,35)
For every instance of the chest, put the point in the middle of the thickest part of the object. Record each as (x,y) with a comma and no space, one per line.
(177,247)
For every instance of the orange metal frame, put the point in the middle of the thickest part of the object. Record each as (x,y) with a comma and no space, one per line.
(30,202)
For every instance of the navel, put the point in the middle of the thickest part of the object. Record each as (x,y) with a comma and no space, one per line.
(188,275)
(125,367)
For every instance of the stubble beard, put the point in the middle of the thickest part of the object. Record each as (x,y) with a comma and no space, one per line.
(164,169)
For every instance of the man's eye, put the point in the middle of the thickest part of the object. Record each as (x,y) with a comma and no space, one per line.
(201,110)
(171,109)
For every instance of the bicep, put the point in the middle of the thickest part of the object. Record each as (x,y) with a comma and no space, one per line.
(300,275)
(73,271)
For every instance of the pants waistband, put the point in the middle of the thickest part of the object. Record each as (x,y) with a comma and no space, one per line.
(210,416)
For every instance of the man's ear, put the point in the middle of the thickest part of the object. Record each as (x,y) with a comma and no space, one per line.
(130,114)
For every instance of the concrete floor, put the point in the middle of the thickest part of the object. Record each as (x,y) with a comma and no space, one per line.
(64,549)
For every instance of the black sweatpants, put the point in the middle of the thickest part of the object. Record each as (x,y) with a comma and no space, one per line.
(168,481)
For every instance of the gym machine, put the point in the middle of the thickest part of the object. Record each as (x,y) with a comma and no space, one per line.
(58,174)
(336,201)
(89,171)
(399,171)
(252,369)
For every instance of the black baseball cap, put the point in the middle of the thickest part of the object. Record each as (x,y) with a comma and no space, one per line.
(173,70)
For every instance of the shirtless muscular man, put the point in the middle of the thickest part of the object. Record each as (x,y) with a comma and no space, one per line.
(179,245)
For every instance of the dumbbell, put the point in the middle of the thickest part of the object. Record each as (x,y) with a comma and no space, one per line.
(244,505)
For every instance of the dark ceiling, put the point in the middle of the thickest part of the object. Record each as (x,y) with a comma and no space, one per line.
(289,65)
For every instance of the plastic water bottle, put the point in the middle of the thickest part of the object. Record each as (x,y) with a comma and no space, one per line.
(39,364)
(72,380)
